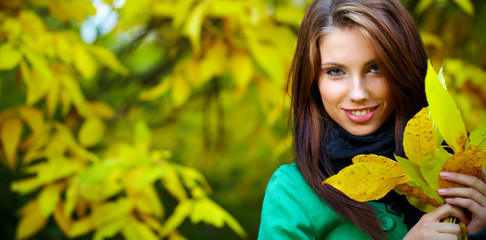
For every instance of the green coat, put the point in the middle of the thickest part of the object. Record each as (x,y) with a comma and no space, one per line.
(291,210)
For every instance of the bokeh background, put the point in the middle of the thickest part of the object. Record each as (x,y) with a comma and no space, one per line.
(149,119)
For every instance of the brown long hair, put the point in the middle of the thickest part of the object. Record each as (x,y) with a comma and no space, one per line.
(392,31)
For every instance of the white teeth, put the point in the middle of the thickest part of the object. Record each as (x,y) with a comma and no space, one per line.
(361,113)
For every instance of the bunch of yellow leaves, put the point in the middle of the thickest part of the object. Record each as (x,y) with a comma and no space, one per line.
(371,177)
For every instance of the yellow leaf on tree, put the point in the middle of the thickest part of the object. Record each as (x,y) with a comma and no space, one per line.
(419,137)
(366,181)
(111,211)
(108,58)
(101,109)
(91,132)
(135,230)
(11,131)
(194,24)
(63,220)
(84,62)
(34,118)
(160,89)
(242,69)
(468,162)
(48,198)
(181,212)
(81,227)
(31,221)
(9,56)
(110,229)
(52,97)
(181,90)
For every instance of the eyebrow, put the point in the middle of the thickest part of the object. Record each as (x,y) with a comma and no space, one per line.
(374,60)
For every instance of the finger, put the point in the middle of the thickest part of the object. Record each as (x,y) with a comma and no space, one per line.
(447,210)
(468,193)
(465,180)
(449,228)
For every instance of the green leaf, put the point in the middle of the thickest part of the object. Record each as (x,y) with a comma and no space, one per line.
(444,112)
(466,6)
(477,139)
(97,172)
(431,166)
(414,173)
(181,212)
(207,211)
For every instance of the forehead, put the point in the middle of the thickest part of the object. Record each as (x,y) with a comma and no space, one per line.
(348,45)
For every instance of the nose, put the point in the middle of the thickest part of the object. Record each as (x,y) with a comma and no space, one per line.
(358,91)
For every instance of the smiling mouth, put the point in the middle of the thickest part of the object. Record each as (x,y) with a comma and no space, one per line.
(360,112)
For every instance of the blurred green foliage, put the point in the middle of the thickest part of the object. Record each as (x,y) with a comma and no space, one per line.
(176,86)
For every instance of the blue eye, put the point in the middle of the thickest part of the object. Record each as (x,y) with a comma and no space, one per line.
(335,72)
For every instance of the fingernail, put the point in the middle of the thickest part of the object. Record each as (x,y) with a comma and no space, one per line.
(442,191)
(445,174)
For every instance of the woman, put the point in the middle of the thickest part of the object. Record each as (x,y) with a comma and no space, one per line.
(357,77)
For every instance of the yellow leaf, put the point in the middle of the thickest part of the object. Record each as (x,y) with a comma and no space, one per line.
(150,221)
(386,162)
(209,212)
(172,183)
(213,64)
(142,136)
(81,227)
(26,185)
(52,97)
(65,101)
(155,92)
(38,79)
(111,211)
(72,197)
(419,137)
(194,23)
(366,181)
(31,221)
(181,212)
(48,198)
(267,57)
(101,109)
(57,168)
(34,118)
(468,162)
(84,62)
(11,131)
(76,10)
(147,201)
(241,67)
(466,6)
(9,56)
(63,220)
(92,132)
(63,47)
(181,90)
(12,28)
(135,230)
(289,14)
(74,93)
(108,58)
(31,22)
(444,112)
(110,229)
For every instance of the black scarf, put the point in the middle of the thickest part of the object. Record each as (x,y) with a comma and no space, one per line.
(341,147)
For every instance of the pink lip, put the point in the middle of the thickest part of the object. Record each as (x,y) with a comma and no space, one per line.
(362,118)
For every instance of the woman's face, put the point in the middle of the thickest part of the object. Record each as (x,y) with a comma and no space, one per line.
(353,88)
